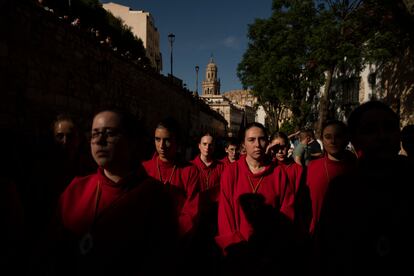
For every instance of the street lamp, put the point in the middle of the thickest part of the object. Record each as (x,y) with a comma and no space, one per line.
(171,38)
(196,69)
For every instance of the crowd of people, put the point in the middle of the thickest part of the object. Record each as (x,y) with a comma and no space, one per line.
(267,206)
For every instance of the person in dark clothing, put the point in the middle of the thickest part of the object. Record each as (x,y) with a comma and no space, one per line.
(365,223)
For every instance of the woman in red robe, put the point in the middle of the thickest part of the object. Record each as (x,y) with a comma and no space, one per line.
(255,197)
(210,170)
(117,221)
(181,177)
(336,161)
(278,149)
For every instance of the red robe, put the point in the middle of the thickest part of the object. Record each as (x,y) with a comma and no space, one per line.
(225,161)
(209,178)
(233,226)
(319,173)
(294,172)
(106,227)
(184,178)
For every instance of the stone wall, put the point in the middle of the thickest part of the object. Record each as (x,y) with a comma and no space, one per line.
(48,67)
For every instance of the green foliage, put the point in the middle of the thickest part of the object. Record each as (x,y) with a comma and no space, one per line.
(289,53)
(276,64)
(288,127)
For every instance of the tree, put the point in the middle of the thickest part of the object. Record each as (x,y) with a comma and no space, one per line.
(335,43)
(305,44)
(277,65)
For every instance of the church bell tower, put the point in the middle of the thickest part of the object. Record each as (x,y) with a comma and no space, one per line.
(211,84)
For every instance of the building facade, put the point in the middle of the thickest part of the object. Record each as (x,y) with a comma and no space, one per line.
(236,106)
(142,26)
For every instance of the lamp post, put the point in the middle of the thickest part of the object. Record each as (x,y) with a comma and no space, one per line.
(171,38)
(196,69)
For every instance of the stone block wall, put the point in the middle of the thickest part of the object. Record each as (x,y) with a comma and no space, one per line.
(49,67)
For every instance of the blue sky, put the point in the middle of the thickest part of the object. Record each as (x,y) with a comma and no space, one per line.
(202,29)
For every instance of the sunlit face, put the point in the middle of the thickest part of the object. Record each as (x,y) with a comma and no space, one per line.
(206,146)
(334,140)
(165,144)
(280,149)
(255,143)
(231,151)
(66,135)
(378,135)
(110,147)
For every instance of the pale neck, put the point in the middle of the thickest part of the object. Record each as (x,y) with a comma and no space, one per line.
(206,160)
(254,165)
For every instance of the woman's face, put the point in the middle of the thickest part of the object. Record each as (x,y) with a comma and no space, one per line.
(334,139)
(280,149)
(165,144)
(255,143)
(206,146)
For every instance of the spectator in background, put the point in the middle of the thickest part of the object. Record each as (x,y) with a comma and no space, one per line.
(301,153)
(307,149)
(314,146)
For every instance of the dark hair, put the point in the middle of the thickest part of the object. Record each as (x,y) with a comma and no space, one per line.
(356,115)
(254,124)
(63,117)
(334,123)
(171,125)
(207,133)
(306,132)
(279,134)
(231,141)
